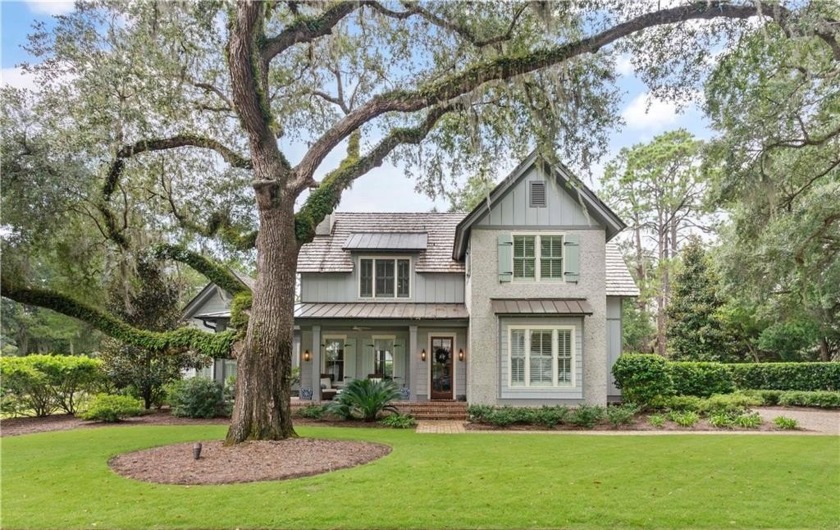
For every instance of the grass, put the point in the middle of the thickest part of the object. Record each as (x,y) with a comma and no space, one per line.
(61,480)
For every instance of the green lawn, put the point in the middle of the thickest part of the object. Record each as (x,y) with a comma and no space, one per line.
(61,480)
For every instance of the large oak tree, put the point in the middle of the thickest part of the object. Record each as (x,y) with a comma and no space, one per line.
(156,121)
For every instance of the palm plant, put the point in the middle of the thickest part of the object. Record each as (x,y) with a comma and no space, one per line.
(365,398)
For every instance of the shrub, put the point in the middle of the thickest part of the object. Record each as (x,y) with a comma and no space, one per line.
(621,414)
(196,397)
(479,413)
(502,417)
(786,376)
(39,384)
(688,418)
(824,400)
(767,397)
(586,416)
(749,420)
(700,379)
(312,412)
(721,420)
(679,403)
(643,378)
(550,416)
(784,423)
(398,421)
(366,399)
(657,420)
(110,408)
(736,402)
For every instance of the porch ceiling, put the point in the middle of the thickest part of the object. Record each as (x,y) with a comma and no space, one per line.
(382,311)
(542,306)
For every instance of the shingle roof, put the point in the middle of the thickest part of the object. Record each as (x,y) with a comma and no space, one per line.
(619,280)
(325,253)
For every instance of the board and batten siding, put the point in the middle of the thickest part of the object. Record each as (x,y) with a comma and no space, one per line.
(513,210)
(541,393)
(613,341)
(429,288)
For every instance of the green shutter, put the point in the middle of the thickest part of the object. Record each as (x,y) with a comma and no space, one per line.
(571,247)
(505,257)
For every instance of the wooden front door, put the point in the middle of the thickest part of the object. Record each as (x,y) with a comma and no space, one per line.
(443,381)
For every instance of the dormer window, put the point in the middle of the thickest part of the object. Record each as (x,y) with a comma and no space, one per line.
(384,278)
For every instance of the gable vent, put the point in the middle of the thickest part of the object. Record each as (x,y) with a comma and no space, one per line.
(537,195)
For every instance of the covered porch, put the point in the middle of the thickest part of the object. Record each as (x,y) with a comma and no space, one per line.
(421,347)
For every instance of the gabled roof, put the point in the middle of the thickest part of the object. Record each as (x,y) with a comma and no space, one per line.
(327,253)
(209,290)
(599,211)
(619,280)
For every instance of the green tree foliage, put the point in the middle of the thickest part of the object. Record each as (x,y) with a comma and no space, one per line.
(173,123)
(695,331)
(636,328)
(657,188)
(776,168)
(476,189)
(152,305)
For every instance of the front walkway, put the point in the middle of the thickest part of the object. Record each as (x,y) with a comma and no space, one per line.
(440,427)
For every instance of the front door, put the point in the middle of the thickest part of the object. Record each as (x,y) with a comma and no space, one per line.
(442,377)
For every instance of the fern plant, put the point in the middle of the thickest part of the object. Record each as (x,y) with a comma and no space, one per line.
(365,399)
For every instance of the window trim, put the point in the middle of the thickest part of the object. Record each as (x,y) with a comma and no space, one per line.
(393,258)
(537,257)
(326,338)
(555,351)
(393,339)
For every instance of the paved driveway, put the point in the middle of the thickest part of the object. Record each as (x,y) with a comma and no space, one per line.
(825,421)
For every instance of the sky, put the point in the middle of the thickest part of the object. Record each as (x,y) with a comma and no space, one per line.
(385,189)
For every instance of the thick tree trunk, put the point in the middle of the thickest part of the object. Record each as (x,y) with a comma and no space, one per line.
(263,385)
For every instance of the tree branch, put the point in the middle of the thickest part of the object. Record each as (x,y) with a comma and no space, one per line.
(306,29)
(211,344)
(218,274)
(326,196)
(504,68)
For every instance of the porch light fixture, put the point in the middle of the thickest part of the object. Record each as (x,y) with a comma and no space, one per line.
(306,356)
(461,354)
(423,355)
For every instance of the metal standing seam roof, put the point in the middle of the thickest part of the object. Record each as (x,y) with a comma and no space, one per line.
(366,310)
(541,306)
(386,241)
(327,253)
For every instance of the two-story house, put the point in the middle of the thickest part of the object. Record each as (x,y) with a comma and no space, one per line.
(517,302)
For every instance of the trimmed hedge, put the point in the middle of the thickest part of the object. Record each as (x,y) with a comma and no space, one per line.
(40,384)
(647,378)
(701,379)
(786,376)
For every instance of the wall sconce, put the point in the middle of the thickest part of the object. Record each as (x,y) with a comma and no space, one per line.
(307,356)
(461,354)
(423,355)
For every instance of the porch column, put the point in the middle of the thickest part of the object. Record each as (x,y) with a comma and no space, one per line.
(410,356)
(316,363)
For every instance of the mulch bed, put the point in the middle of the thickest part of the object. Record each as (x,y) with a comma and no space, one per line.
(245,462)
(65,422)
(639,424)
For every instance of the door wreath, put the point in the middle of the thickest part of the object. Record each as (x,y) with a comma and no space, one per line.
(442,355)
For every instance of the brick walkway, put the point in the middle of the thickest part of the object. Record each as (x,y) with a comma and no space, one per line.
(440,427)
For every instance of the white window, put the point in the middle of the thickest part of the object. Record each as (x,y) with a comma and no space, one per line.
(538,257)
(334,358)
(384,278)
(541,356)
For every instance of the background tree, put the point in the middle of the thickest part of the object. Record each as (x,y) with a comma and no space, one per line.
(153,304)
(658,189)
(695,330)
(775,168)
(156,106)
